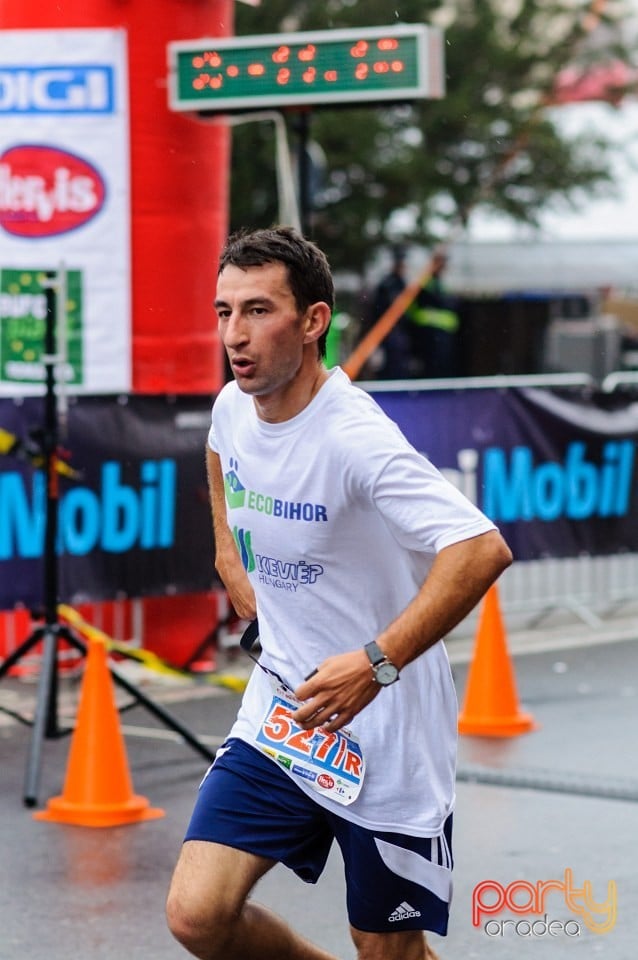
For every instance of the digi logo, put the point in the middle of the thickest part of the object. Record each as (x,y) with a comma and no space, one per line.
(57,89)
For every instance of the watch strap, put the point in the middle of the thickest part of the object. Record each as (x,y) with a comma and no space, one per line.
(375,653)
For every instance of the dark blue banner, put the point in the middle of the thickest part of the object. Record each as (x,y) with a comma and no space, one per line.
(134,522)
(555,471)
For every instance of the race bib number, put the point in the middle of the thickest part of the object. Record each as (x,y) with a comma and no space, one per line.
(330,763)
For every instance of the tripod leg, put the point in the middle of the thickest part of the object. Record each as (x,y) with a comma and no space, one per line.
(20,651)
(45,714)
(166,718)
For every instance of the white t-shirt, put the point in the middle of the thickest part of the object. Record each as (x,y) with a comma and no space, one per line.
(338,520)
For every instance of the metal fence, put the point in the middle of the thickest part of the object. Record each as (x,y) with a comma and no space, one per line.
(591,588)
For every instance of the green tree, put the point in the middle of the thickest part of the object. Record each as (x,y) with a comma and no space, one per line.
(490,142)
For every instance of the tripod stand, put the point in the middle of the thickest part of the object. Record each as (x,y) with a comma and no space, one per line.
(45,723)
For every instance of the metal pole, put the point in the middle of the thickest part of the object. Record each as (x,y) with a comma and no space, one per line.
(305,199)
(45,722)
(49,450)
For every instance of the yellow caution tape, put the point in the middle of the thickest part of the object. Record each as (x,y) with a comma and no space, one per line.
(10,444)
(146,657)
(8,441)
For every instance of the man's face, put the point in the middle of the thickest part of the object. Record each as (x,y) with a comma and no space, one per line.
(260,326)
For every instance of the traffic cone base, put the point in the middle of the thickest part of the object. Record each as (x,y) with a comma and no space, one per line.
(97,789)
(133,810)
(496,726)
(491,702)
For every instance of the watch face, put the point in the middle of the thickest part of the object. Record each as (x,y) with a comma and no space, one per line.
(386,673)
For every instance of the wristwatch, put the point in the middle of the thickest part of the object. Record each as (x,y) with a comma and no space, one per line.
(383,669)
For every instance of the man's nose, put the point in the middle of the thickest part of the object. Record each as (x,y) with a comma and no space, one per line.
(236,330)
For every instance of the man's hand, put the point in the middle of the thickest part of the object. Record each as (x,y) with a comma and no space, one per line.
(340,688)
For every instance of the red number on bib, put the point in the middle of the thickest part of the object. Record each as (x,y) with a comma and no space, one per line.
(329,740)
(300,741)
(278,725)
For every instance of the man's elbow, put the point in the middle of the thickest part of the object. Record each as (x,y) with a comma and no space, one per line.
(499,554)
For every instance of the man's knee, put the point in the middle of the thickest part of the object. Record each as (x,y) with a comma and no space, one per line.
(207,896)
(203,928)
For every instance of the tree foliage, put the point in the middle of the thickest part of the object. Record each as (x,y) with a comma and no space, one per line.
(490,142)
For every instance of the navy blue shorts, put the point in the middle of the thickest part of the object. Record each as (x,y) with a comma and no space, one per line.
(394,882)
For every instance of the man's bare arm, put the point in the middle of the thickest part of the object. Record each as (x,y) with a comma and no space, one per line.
(227,560)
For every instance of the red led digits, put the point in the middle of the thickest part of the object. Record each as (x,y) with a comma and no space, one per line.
(361,71)
(283,76)
(256,69)
(281,54)
(309,75)
(232,70)
(360,49)
(307,53)
(205,80)
(330,76)
(209,59)
(388,43)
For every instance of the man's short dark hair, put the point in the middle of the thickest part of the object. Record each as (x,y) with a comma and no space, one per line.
(308,269)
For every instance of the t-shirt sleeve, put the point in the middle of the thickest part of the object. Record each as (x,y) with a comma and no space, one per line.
(212,438)
(219,413)
(424,510)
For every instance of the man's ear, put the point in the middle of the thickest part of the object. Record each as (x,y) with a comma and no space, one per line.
(317,321)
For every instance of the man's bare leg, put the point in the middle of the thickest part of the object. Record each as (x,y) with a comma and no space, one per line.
(408,945)
(209,913)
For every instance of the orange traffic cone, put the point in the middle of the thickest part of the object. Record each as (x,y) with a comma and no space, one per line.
(491,702)
(97,789)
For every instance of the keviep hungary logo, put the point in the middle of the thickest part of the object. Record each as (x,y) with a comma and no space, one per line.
(243,541)
(274,572)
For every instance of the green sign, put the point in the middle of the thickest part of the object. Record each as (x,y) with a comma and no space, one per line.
(401,62)
(23,325)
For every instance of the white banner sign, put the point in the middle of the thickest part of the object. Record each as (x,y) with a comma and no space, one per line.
(64,206)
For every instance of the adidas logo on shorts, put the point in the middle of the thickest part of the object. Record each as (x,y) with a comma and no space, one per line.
(403,912)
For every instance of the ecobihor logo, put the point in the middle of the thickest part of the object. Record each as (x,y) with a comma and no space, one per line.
(274,572)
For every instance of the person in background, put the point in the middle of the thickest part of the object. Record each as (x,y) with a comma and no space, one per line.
(356,557)
(397,346)
(434,325)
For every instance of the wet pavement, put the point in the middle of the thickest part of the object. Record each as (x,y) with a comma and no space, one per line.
(561,798)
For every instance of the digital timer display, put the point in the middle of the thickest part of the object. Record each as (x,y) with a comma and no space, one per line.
(399,62)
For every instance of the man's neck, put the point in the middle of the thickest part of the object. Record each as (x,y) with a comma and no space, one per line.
(286,404)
